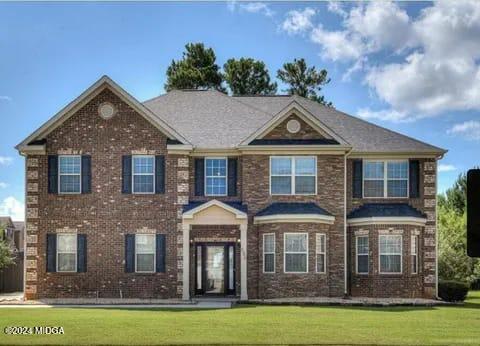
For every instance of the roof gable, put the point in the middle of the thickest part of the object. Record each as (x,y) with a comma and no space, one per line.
(37,137)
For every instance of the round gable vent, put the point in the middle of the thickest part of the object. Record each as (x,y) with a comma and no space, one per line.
(293,126)
(106,110)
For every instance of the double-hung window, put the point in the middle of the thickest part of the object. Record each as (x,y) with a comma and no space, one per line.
(269,253)
(414,252)
(385,179)
(362,254)
(390,253)
(69,173)
(320,252)
(296,252)
(66,252)
(145,253)
(216,176)
(293,175)
(143,174)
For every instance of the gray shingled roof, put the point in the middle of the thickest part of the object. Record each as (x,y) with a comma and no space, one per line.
(385,210)
(287,208)
(210,119)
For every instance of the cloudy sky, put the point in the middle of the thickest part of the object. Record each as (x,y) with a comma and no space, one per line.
(411,67)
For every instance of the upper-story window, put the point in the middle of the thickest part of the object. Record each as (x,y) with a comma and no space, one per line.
(216,176)
(293,175)
(69,173)
(385,179)
(143,174)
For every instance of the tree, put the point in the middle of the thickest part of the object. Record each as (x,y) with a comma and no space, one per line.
(247,76)
(453,262)
(304,81)
(6,252)
(196,70)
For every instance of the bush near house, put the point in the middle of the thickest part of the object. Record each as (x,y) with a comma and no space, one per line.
(452,291)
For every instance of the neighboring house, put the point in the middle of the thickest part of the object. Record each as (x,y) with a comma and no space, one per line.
(199,193)
(11,277)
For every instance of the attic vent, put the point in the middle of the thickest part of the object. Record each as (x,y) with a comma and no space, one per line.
(293,126)
(106,110)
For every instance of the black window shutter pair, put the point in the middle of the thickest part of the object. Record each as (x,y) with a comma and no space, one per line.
(86,174)
(160,242)
(159,174)
(52,253)
(414,178)
(200,176)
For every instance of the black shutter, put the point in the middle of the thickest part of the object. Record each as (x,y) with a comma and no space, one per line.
(199,176)
(357,175)
(52,174)
(51,252)
(159,174)
(414,178)
(160,248)
(86,174)
(232,176)
(127,174)
(81,253)
(129,253)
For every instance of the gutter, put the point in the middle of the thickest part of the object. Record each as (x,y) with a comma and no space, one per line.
(345,244)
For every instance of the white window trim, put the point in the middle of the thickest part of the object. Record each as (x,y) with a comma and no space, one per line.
(134,174)
(324,253)
(414,252)
(387,254)
(59,175)
(205,175)
(293,252)
(146,253)
(76,253)
(269,253)
(292,176)
(357,255)
(385,179)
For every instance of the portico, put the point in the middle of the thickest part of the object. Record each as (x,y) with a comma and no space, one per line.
(213,213)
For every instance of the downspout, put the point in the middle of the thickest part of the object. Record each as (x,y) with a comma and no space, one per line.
(345,244)
(25,229)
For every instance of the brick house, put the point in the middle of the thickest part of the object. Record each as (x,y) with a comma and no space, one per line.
(199,193)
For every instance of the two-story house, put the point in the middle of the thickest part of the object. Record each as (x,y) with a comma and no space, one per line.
(199,193)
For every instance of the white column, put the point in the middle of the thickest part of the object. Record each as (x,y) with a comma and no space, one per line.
(186,262)
(243,262)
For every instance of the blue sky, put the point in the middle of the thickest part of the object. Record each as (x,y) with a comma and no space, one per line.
(411,67)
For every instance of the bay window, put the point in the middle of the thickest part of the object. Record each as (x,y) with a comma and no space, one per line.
(390,253)
(296,253)
(269,253)
(320,252)
(362,254)
(414,252)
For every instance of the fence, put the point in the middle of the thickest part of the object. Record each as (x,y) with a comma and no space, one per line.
(11,278)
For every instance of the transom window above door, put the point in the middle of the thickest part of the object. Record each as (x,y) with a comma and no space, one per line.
(216,176)
(293,175)
(385,179)
(143,173)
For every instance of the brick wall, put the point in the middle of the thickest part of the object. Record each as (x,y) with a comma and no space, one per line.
(106,214)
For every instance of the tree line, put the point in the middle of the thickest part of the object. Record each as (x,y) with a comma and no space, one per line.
(198,69)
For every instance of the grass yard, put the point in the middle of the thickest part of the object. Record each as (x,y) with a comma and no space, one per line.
(252,325)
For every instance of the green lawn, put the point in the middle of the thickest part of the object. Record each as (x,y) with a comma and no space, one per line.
(454,325)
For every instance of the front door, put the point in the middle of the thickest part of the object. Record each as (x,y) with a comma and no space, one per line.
(215,269)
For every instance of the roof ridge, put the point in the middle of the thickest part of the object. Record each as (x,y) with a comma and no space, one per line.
(373,124)
(245,104)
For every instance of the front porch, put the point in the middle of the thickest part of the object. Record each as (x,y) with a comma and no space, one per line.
(214,250)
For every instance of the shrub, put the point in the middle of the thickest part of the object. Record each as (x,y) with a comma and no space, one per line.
(452,291)
(475,285)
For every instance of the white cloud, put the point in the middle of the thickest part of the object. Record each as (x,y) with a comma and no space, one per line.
(3,185)
(468,129)
(10,206)
(436,53)
(337,45)
(5,98)
(5,160)
(298,21)
(446,168)
(251,7)
(384,114)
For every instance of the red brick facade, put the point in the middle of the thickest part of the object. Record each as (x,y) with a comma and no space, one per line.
(106,215)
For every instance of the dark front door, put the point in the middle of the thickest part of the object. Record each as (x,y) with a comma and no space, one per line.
(215,268)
